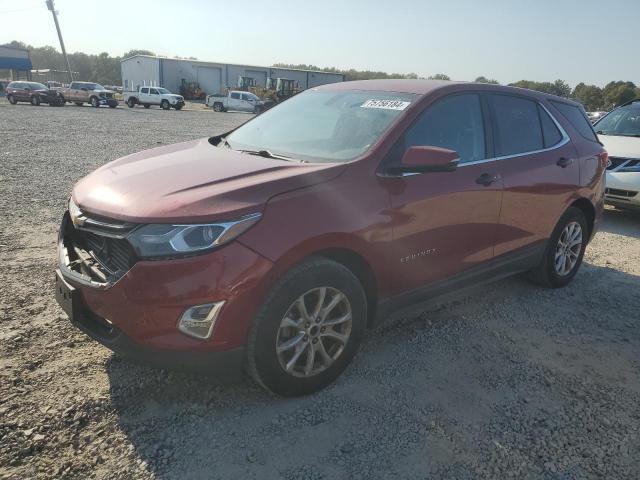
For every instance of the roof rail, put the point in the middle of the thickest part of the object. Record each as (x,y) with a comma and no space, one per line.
(629,102)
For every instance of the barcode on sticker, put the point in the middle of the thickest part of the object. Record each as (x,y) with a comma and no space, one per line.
(386,104)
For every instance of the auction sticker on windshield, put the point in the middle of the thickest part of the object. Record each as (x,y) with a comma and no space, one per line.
(386,104)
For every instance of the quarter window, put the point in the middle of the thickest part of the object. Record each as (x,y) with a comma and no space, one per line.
(455,123)
(144,90)
(577,118)
(550,132)
(518,128)
(235,95)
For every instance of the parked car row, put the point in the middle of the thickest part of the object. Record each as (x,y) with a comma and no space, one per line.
(55,94)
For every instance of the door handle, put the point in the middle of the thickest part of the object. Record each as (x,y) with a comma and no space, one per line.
(564,162)
(487,179)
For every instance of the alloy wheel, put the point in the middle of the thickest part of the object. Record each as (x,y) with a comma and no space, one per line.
(568,248)
(314,332)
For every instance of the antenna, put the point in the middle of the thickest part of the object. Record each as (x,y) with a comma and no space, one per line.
(51,7)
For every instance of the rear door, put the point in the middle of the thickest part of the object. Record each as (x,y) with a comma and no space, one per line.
(445,223)
(154,96)
(144,95)
(538,165)
(235,101)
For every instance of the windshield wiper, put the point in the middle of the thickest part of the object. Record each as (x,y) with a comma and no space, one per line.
(269,154)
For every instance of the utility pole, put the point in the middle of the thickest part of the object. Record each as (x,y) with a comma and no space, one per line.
(51,7)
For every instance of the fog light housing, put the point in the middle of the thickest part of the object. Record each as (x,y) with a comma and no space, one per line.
(198,321)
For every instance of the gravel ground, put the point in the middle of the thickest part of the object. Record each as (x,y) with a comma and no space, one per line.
(503,381)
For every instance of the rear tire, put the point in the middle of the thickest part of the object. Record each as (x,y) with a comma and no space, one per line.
(12,99)
(131,102)
(217,107)
(292,353)
(564,252)
(164,104)
(35,100)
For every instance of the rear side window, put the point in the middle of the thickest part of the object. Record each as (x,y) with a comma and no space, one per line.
(517,123)
(577,119)
(455,123)
(550,132)
(144,90)
(235,95)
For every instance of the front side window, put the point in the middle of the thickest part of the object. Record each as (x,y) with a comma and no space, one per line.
(517,125)
(37,86)
(323,125)
(455,123)
(578,119)
(144,90)
(623,122)
(245,96)
(154,91)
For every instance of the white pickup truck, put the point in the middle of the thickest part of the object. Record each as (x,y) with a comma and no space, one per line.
(147,96)
(236,100)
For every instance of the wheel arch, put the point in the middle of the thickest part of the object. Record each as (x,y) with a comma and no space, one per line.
(363,271)
(588,210)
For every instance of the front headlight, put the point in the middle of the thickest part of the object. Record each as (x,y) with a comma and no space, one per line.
(164,240)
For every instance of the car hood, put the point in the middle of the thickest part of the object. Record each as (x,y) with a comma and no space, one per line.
(618,146)
(192,182)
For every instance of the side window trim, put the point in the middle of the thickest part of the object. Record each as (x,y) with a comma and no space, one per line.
(563,141)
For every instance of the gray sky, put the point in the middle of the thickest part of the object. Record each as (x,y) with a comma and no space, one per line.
(587,40)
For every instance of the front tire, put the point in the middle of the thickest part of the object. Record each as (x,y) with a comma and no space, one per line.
(94,102)
(131,103)
(308,329)
(165,105)
(178,107)
(217,107)
(35,100)
(564,252)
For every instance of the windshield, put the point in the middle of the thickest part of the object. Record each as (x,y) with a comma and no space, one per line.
(163,91)
(322,126)
(623,122)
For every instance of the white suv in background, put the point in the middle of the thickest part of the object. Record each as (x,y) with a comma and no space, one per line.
(619,132)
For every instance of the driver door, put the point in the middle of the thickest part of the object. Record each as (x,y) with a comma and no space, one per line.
(445,223)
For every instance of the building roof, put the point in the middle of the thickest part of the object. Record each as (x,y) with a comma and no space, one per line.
(228,63)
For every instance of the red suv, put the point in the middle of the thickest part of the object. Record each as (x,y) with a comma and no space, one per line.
(276,245)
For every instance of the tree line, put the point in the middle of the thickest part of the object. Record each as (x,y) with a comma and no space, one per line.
(105,69)
(593,98)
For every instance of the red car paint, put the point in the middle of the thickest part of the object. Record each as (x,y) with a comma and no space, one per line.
(402,232)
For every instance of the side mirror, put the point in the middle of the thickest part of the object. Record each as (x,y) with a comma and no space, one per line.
(424,159)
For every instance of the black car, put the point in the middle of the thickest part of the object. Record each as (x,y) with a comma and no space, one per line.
(34,93)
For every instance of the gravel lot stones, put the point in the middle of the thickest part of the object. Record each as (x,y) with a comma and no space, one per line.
(503,381)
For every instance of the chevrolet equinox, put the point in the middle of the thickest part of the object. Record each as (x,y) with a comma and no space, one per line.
(276,245)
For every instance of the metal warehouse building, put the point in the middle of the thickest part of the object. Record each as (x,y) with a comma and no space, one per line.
(211,76)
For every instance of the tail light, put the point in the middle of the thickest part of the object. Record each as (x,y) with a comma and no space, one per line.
(604,159)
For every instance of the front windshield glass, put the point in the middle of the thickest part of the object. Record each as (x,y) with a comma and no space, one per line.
(622,122)
(163,91)
(321,125)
